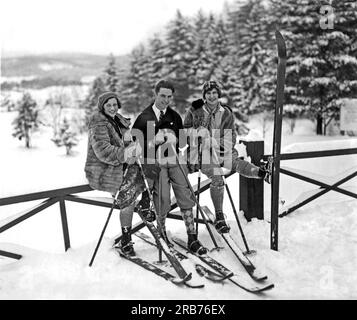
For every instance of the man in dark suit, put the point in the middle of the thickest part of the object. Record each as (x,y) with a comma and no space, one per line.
(160,126)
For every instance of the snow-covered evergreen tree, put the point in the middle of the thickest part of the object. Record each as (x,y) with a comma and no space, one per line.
(91,101)
(156,60)
(179,56)
(27,120)
(200,65)
(338,47)
(254,58)
(66,137)
(217,49)
(111,79)
(321,67)
(137,86)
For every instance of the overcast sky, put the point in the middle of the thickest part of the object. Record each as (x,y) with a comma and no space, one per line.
(93,26)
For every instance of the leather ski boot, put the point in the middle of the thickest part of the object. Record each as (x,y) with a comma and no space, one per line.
(194,245)
(143,207)
(126,245)
(220,223)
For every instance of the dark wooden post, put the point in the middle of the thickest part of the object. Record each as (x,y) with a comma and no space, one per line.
(251,191)
(67,243)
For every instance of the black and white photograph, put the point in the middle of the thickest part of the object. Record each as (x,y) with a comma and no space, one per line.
(192,151)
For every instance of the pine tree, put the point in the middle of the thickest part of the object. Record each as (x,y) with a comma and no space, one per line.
(156,60)
(200,65)
(217,46)
(179,56)
(110,76)
(321,67)
(66,137)
(91,101)
(338,47)
(137,86)
(254,65)
(27,120)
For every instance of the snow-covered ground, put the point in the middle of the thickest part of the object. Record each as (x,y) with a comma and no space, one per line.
(317,257)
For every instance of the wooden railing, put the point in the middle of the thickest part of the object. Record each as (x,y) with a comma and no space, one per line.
(51,197)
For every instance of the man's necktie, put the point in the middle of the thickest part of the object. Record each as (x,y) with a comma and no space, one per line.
(161,115)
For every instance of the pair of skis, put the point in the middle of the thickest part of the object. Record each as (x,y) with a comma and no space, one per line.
(201,270)
(248,265)
(184,278)
(220,272)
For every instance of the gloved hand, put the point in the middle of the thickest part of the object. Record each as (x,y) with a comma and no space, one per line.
(132,152)
(265,171)
(170,136)
(203,133)
(165,135)
(160,137)
(264,175)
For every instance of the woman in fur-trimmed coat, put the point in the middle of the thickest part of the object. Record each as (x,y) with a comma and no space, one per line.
(108,156)
(214,123)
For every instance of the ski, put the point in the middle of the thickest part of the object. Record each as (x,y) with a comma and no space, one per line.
(237,251)
(210,275)
(149,240)
(150,267)
(239,280)
(170,254)
(275,158)
(213,263)
(201,270)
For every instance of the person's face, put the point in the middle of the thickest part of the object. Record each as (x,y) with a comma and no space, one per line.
(163,98)
(111,107)
(212,97)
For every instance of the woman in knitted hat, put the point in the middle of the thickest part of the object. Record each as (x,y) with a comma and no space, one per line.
(214,123)
(109,156)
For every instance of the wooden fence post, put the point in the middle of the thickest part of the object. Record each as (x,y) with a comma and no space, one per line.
(251,191)
(67,243)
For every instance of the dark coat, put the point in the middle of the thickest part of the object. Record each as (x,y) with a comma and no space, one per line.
(171,120)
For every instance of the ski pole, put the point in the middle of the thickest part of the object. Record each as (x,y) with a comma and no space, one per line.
(232,203)
(193,194)
(160,190)
(199,178)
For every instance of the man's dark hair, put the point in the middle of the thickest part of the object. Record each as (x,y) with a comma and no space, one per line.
(164,84)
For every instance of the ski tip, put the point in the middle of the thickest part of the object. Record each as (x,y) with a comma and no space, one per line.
(178,281)
(281,44)
(194,286)
(269,287)
(187,281)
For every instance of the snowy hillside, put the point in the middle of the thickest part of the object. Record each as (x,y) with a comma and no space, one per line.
(317,256)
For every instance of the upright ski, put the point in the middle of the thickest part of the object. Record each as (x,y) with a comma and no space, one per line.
(275,158)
